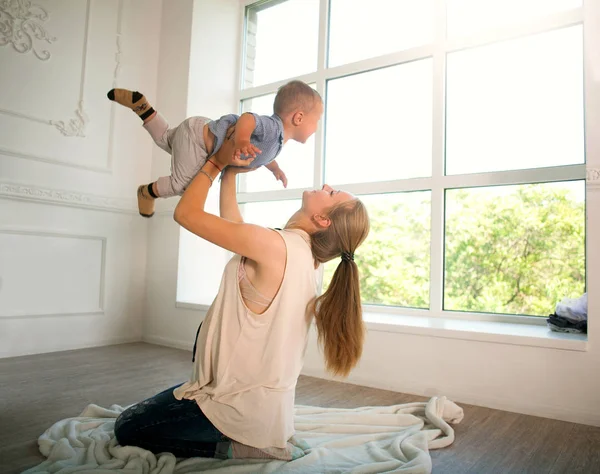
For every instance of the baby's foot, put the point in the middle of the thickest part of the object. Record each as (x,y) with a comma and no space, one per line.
(132,99)
(145,201)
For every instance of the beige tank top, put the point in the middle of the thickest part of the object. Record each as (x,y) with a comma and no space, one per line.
(247,365)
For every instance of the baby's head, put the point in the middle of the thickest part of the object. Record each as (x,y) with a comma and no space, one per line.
(300,107)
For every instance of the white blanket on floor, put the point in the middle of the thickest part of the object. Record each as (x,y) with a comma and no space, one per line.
(362,440)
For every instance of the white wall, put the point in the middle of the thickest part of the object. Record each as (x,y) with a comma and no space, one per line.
(205,34)
(72,247)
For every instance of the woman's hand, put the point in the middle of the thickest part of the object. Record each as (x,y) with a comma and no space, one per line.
(225,156)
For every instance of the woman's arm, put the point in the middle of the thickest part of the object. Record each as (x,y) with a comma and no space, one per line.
(254,242)
(228,205)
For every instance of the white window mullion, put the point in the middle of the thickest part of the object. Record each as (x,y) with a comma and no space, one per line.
(382,187)
(591,38)
(370,64)
(271,88)
(514,177)
(323,35)
(319,164)
(591,63)
(241,57)
(439,182)
(436,275)
(241,183)
(263,196)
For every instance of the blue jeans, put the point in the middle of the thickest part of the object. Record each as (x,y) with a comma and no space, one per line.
(164,424)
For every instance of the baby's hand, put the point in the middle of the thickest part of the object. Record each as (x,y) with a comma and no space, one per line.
(245,148)
(280,176)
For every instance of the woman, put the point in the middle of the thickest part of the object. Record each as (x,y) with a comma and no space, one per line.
(250,347)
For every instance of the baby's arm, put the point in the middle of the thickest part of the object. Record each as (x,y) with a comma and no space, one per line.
(274,168)
(243,131)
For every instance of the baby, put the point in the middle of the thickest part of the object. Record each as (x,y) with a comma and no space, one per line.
(296,113)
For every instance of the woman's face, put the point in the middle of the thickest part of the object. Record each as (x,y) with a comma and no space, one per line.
(320,200)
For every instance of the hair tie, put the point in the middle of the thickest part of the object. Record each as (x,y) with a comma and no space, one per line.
(347,257)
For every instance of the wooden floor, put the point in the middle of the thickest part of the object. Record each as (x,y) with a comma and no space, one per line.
(36,391)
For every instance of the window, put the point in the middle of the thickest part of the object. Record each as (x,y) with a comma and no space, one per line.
(200,263)
(276,47)
(513,249)
(394,260)
(516,104)
(386,27)
(354,103)
(198,269)
(460,123)
(271,213)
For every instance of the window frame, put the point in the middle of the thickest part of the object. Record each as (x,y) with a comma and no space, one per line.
(438,182)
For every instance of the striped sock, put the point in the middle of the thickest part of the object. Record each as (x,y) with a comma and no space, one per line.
(132,99)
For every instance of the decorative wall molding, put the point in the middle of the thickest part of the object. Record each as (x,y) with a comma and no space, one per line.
(118,43)
(117,60)
(76,127)
(102,287)
(593,178)
(21,25)
(82,74)
(593,174)
(27,192)
(52,161)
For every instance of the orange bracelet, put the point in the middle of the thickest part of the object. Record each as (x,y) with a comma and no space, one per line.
(215,165)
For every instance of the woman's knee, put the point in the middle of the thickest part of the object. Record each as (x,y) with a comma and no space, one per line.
(125,428)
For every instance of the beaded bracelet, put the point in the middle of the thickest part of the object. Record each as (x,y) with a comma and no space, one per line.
(207,175)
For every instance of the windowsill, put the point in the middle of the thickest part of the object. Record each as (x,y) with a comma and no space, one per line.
(194,306)
(485,331)
(469,330)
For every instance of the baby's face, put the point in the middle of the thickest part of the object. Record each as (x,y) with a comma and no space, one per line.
(310,123)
